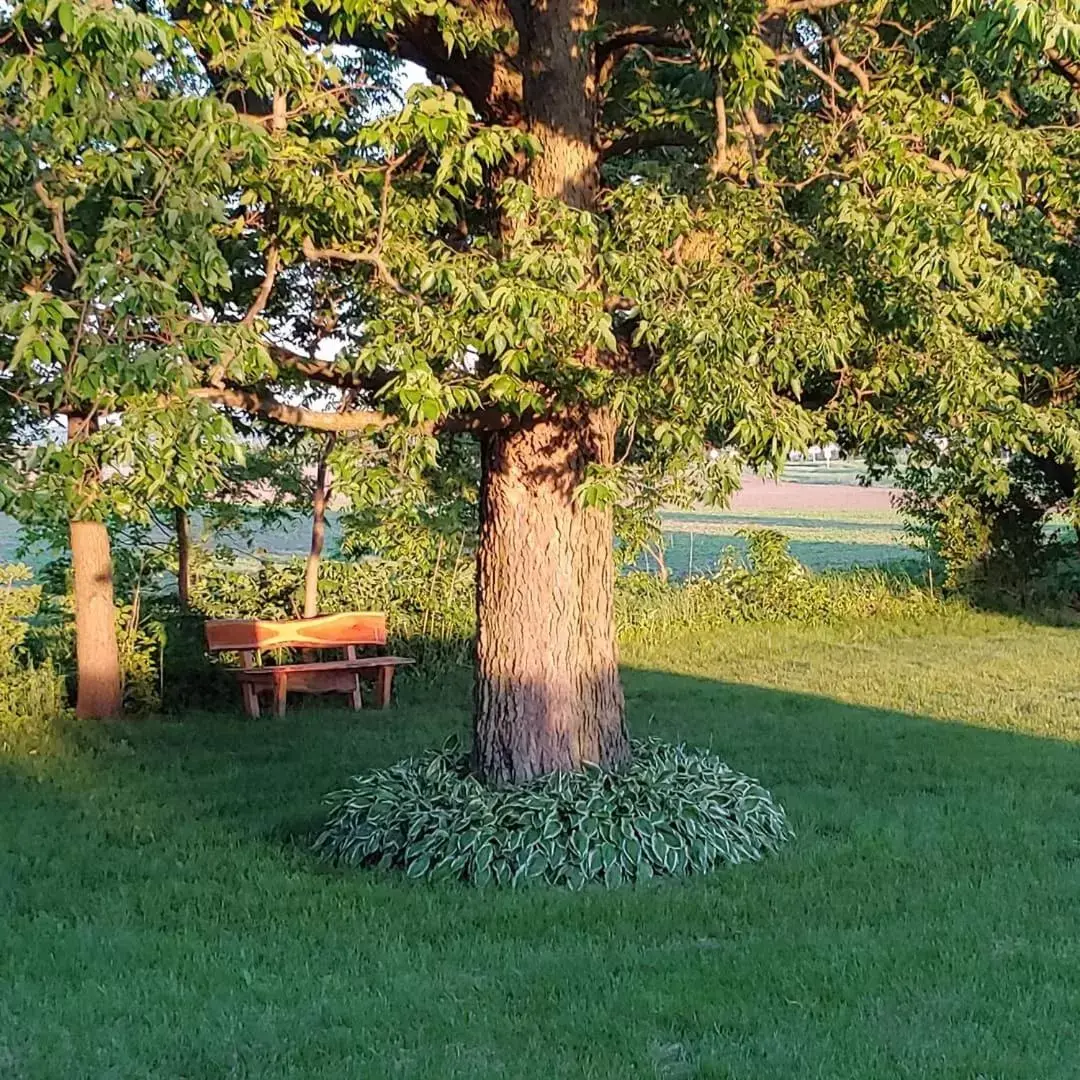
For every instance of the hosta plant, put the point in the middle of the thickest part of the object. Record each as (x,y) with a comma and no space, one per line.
(672,811)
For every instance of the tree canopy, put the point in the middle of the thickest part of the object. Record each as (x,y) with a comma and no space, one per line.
(816,214)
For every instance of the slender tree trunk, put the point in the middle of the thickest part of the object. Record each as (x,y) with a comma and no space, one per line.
(318,534)
(548,695)
(183,557)
(660,555)
(100,694)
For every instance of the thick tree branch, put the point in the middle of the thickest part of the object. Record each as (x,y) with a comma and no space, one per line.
(718,163)
(490,81)
(279,125)
(264,404)
(857,70)
(316,254)
(653,139)
(803,57)
(261,403)
(943,168)
(755,125)
(610,50)
(366,258)
(1065,66)
(321,372)
(262,297)
(805,7)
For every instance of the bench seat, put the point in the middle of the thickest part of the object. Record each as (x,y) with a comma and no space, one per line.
(359,664)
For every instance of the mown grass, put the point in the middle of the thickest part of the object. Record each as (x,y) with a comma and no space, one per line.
(162,918)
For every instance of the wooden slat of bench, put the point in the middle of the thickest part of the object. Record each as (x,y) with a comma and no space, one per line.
(360,663)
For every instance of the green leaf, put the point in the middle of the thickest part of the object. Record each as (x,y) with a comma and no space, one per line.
(37,244)
(419,866)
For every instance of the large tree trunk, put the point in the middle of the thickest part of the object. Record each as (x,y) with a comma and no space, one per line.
(548,695)
(183,558)
(100,694)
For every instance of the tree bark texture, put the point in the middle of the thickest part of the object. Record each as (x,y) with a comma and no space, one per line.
(100,693)
(548,694)
(183,558)
(559,92)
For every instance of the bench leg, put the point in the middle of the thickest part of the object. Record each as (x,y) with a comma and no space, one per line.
(357,701)
(281,689)
(251,700)
(384,678)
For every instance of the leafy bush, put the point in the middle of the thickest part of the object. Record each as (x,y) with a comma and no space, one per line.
(431,613)
(18,601)
(31,699)
(30,695)
(434,606)
(672,811)
(992,536)
(431,609)
(140,634)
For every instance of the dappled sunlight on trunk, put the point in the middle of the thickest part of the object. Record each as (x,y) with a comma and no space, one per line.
(548,695)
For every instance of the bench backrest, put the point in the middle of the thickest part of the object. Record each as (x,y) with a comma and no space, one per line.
(324,632)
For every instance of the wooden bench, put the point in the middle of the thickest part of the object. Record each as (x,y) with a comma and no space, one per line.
(346,633)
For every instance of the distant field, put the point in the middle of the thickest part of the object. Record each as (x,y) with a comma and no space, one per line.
(812,472)
(822,540)
(833,523)
(832,520)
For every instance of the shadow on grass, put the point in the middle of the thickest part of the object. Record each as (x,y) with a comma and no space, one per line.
(264,777)
(921,924)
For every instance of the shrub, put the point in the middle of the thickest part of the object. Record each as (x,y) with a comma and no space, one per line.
(672,811)
(30,695)
(140,634)
(993,540)
(19,600)
(31,700)
(432,609)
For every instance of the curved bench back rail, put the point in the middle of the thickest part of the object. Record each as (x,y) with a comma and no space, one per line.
(325,632)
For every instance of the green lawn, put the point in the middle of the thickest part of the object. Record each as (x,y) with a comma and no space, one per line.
(162,919)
